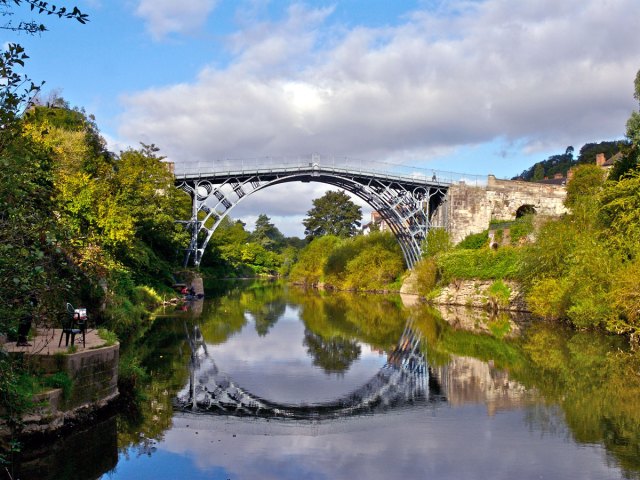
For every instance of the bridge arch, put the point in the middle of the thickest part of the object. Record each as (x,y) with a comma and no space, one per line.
(404,379)
(406,203)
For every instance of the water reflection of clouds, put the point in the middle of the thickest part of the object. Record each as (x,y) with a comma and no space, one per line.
(460,443)
(277,366)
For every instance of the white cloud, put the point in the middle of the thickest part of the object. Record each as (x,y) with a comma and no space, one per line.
(532,75)
(163,17)
(551,73)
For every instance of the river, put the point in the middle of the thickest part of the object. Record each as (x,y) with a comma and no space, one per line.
(268,381)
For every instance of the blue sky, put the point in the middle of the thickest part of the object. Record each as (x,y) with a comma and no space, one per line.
(474,86)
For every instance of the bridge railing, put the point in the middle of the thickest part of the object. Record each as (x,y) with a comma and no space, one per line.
(244,166)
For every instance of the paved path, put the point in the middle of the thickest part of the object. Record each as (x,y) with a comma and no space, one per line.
(46,342)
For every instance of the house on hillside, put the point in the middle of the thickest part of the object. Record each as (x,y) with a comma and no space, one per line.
(607,164)
(377,223)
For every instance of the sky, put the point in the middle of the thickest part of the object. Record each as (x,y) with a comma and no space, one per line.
(473,86)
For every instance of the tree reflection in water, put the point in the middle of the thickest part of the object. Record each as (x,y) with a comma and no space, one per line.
(334,355)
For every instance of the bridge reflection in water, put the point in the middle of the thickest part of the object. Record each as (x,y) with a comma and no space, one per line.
(405,379)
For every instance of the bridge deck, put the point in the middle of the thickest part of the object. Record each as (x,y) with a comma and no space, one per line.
(271,168)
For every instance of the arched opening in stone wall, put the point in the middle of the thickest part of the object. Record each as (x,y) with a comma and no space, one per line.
(525,210)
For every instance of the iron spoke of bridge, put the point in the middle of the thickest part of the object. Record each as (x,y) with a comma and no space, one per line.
(407,204)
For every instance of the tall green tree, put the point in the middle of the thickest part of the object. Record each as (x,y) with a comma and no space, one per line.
(333,214)
(267,234)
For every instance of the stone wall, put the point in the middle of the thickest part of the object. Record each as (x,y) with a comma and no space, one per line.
(94,374)
(474,293)
(469,209)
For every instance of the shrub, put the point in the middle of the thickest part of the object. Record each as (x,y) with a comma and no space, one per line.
(310,266)
(438,241)
(60,380)
(548,298)
(373,269)
(425,272)
(521,228)
(588,311)
(108,336)
(624,298)
(474,241)
(499,293)
(146,296)
(482,264)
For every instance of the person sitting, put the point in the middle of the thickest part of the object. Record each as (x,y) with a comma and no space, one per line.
(25,321)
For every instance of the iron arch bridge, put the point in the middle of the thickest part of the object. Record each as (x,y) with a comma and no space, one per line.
(406,200)
(404,379)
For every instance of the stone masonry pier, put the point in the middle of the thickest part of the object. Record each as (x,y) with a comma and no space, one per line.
(469,209)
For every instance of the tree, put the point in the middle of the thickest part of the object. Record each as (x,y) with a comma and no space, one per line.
(32,27)
(17,90)
(589,151)
(267,234)
(584,186)
(332,214)
(538,172)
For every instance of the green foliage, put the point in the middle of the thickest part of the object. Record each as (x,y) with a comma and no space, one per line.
(549,167)
(365,262)
(474,241)
(374,269)
(33,259)
(563,162)
(16,391)
(426,275)
(60,380)
(310,268)
(589,151)
(567,252)
(108,336)
(624,298)
(521,228)
(146,296)
(584,186)
(267,234)
(484,264)
(333,214)
(620,213)
(234,252)
(548,298)
(438,241)
(499,293)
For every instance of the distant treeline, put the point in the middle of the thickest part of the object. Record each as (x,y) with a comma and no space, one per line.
(563,162)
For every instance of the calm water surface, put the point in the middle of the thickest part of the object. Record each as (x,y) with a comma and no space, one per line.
(265,381)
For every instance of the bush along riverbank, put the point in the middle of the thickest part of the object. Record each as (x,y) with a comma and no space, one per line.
(363,263)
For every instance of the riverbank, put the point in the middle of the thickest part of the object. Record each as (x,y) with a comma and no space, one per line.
(492,295)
